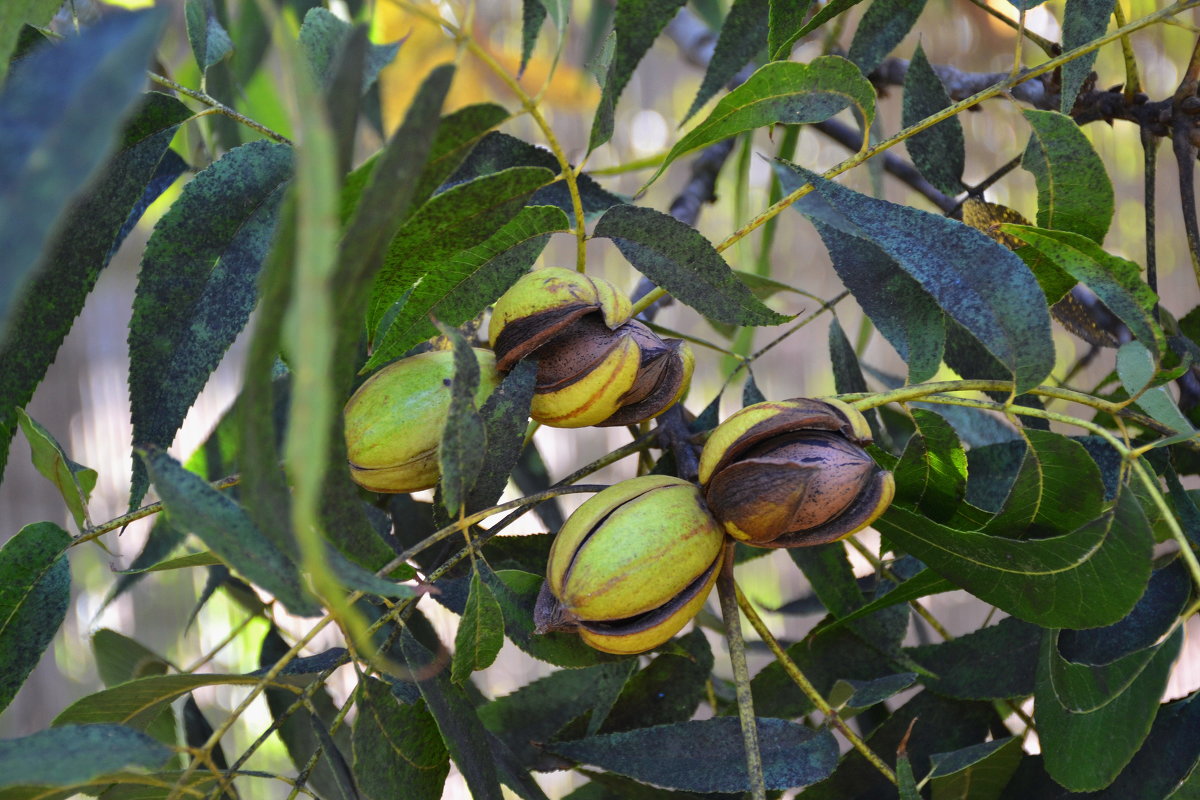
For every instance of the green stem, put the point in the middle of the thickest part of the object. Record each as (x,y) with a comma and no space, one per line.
(141,513)
(217,106)
(727,590)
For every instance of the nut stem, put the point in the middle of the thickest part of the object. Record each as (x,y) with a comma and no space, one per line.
(730,595)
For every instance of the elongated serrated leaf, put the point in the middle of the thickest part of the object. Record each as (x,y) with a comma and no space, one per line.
(197,730)
(1074,192)
(828,569)
(781,92)
(1085,751)
(197,286)
(1115,280)
(1165,765)
(354,576)
(461,450)
(533,14)
(222,525)
(77,754)
(454,220)
(637,24)
(679,259)
(882,27)
(694,755)
(932,473)
(209,40)
(784,19)
(480,632)
(1083,21)
(1136,368)
(924,583)
(939,152)
(993,663)
(855,695)
(827,12)
(137,702)
(120,658)
(457,288)
(35,587)
(323,34)
(975,280)
(505,416)
(398,751)
(16,18)
(74,482)
(667,691)
(742,35)
(339,769)
(60,112)
(1090,577)
(82,246)
(980,771)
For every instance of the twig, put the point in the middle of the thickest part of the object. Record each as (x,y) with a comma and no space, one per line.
(730,596)
(217,106)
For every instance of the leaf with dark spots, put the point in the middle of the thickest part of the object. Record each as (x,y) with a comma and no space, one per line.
(742,35)
(938,152)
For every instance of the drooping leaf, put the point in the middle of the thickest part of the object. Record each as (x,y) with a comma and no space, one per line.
(60,115)
(1169,754)
(1090,577)
(679,259)
(457,288)
(323,34)
(1074,192)
(533,14)
(77,754)
(939,152)
(637,24)
(1083,21)
(785,39)
(461,450)
(82,245)
(975,280)
(120,658)
(505,416)
(854,696)
(137,702)
(397,748)
(781,92)
(339,768)
(35,588)
(882,27)
(695,756)
(784,19)
(197,286)
(1135,366)
(828,569)
(742,35)
(197,730)
(480,632)
(74,482)
(209,40)
(932,473)
(992,663)
(923,584)
(222,524)
(667,691)
(16,18)
(980,771)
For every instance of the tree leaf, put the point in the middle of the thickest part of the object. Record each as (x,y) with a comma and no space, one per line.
(742,35)
(679,259)
(1002,306)
(994,663)
(60,113)
(339,769)
(637,24)
(209,40)
(321,37)
(91,228)
(1086,750)
(852,696)
(1161,767)
(823,15)
(458,287)
(16,18)
(197,286)
(1115,280)
(932,472)
(938,152)
(980,771)
(828,569)
(505,416)
(464,440)
(77,754)
(1083,21)
(398,751)
(1074,192)
(695,756)
(780,92)
(533,14)
(667,691)
(480,632)
(35,589)
(882,27)
(120,658)
(923,584)
(74,482)
(1135,366)
(1090,577)
(222,524)
(137,702)
(784,19)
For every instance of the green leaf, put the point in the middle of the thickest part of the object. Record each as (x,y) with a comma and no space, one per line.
(1136,367)
(994,663)
(533,14)
(505,416)
(1083,21)
(1161,766)
(1074,192)
(321,37)
(979,772)
(456,219)
(827,568)
(464,440)
(1090,577)
(637,24)
(679,259)
(848,377)
(781,92)
(1115,280)
(74,482)
(77,754)
(906,782)
(932,473)
(790,18)
(460,286)
(1086,749)
(784,20)
(882,27)
(938,152)
(137,702)
(398,751)
(197,286)
(222,524)
(667,691)
(480,632)
(35,589)
(120,658)
(60,115)
(696,756)
(924,583)
(1003,307)
(210,42)
(15,17)
(742,35)
(853,696)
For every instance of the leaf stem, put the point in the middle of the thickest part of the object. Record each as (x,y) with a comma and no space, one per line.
(727,591)
(217,106)
(141,513)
